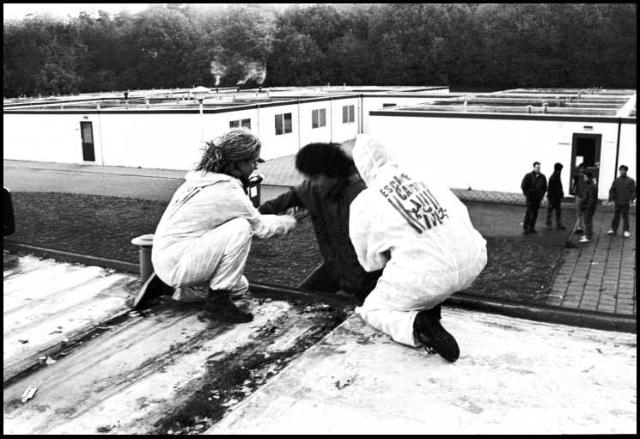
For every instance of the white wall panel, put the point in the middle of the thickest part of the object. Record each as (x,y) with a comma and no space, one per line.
(489,154)
(628,150)
(154,140)
(46,137)
(309,134)
(345,131)
(282,144)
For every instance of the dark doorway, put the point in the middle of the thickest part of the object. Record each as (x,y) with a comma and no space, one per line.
(586,149)
(88,153)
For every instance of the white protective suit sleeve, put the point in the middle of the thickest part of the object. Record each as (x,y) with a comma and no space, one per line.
(368,241)
(270,225)
(238,205)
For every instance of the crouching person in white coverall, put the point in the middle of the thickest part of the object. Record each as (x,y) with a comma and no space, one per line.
(201,244)
(420,234)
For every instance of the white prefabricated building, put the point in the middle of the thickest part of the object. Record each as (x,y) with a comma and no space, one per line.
(167,129)
(477,141)
(488,142)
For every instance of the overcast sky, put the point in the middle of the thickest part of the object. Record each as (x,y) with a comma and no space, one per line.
(19,10)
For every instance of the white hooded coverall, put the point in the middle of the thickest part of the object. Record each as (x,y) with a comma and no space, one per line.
(204,235)
(419,232)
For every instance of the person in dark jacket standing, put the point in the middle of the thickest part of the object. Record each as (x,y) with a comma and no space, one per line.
(534,186)
(622,193)
(577,190)
(331,184)
(555,193)
(589,203)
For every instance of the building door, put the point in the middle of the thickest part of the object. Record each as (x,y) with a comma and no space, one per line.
(585,149)
(88,152)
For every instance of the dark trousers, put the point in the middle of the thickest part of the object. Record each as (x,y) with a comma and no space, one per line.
(324,280)
(579,214)
(588,222)
(624,210)
(321,279)
(531,215)
(554,205)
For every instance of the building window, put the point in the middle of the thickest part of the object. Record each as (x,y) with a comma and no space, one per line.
(283,123)
(388,105)
(245,123)
(348,113)
(318,118)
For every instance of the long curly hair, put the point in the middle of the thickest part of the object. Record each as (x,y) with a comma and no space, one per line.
(235,145)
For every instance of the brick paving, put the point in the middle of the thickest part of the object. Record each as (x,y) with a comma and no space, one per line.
(598,276)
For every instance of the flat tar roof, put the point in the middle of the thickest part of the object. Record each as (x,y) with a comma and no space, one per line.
(438,99)
(576,102)
(217,97)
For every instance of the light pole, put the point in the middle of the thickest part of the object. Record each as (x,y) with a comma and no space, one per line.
(199,93)
(200,100)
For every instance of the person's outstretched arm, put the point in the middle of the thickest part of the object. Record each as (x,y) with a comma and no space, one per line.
(281,203)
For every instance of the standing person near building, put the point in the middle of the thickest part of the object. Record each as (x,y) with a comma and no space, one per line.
(555,193)
(420,234)
(534,186)
(202,241)
(622,193)
(577,190)
(589,204)
(330,185)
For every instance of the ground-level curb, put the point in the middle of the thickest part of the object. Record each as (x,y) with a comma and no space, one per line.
(546,313)
(64,256)
(272,291)
(549,314)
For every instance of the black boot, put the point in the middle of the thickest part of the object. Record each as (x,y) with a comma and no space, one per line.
(428,330)
(223,309)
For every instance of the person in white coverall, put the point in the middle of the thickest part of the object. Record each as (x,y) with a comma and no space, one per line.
(202,241)
(421,235)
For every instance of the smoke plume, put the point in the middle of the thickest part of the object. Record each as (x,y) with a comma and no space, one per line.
(254,70)
(218,70)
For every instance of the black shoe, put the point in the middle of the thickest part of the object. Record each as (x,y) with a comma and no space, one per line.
(526,232)
(561,227)
(429,331)
(533,231)
(223,309)
(152,288)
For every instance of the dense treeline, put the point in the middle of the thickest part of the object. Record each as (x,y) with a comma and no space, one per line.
(460,45)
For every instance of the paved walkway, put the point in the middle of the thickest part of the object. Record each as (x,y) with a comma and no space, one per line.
(600,275)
